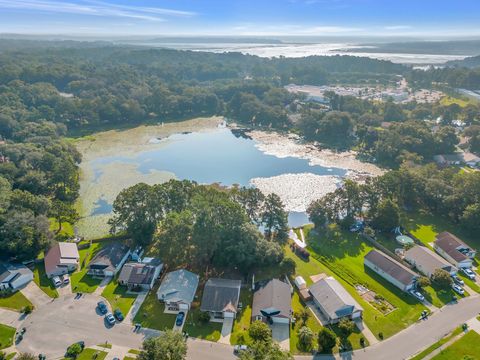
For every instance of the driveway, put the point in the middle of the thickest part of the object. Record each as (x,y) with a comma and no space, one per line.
(58,324)
(36,295)
(226,331)
(281,333)
(11,318)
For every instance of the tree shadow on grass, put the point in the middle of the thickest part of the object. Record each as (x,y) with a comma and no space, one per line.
(336,244)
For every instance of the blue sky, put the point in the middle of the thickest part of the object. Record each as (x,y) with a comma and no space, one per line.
(426,18)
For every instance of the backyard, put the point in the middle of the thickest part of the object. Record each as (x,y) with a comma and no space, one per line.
(342,253)
(44,283)
(119,297)
(16,301)
(80,281)
(7,333)
(151,315)
(467,347)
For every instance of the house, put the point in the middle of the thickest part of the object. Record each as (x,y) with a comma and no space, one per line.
(140,275)
(109,260)
(220,298)
(426,261)
(14,276)
(454,250)
(334,301)
(391,270)
(458,158)
(177,290)
(61,259)
(272,302)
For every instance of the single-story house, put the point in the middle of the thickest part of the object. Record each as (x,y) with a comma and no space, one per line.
(61,259)
(391,270)
(140,275)
(220,298)
(426,261)
(334,301)
(458,158)
(109,260)
(177,290)
(272,302)
(454,250)
(14,276)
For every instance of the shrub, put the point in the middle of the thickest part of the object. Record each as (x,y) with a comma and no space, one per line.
(442,278)
(423,281)
(27,309)
(204,317)
(260,331)
(346,326)
(74,350)
(305,338)
(326,340)
(288,266)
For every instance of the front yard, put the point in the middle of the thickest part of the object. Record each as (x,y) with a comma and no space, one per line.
(89,354)
(342,253)
(242,322)
(44,283)
(118,297)
(151,315)
(195,328)
(7,333)
(80,281)
(16,301)
(467,347)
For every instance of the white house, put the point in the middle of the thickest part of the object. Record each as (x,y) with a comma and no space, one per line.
(454,250)
(426,261)
(177,290)
(61,259)
(14,276)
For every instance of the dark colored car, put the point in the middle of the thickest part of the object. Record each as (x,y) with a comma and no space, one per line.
(102,307)
(179,319)
(118,315)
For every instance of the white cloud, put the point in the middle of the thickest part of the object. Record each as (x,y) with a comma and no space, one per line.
(398,27)
(93,8)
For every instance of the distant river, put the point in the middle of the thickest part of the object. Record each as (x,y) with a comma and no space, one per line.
(302,50)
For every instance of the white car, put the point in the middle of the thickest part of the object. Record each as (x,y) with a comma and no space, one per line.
(237,349)
(469,273)
(66,279)
(56,281)
(458,289)
(418,295)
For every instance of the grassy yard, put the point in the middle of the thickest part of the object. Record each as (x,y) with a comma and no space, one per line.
(15,301)
(210,331)
(342,253)
(312,323)
(435,346)
(118,297)
(151,313)
(242,322)
(80,281)
(7,333)
(134,351)
(11,356)
(67,229)
(468,346)
(44,283)
(89,354)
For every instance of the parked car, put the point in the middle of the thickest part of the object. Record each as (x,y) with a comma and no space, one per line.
(237,349)
(457,280)
(118,315)
(469,273)
(56,281)
(458,289)
(418,295)
(110,318)
(66,279)
(102,307)
(179,319)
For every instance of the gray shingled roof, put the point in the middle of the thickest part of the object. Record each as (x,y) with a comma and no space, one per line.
(109,257)
(273,295)
(333,297)
(427,259)
(178,286)
(137,273)
(449,243)
(392,267)
(221,295)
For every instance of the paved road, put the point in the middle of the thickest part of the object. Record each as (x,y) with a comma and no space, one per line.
(58,324)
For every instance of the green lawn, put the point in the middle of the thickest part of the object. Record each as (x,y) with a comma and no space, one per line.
(151,313)
(312,323)
(44,283)
(242,322)
(467,347)
(80,281)
(134,351)
(11,356)
(210,331)
(129,358)
(7,333)
(15,301)
(342,253)
(67,229)
(88,354)
(118,297)
(435,346)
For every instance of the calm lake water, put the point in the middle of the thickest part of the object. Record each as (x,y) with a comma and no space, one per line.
(220,156)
